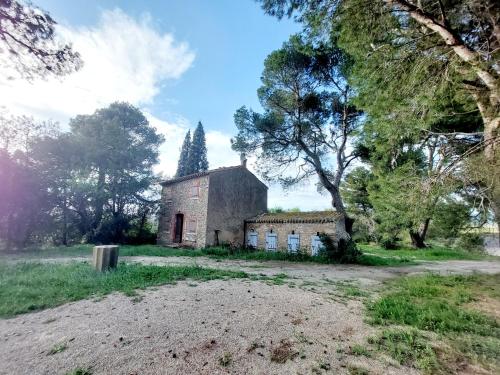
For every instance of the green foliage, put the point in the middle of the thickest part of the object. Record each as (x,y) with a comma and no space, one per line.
(182,165)
(434,303)
(89,184)
(355,191)
(445,306)
(341,251)
(408,347)
(471,242)
(29,44)
(430,253)
(449,218)
(197,159)
(26,287)
(307,117)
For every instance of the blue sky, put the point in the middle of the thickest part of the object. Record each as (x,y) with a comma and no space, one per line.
(179,61)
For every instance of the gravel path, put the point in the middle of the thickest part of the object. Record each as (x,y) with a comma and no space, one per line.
(186,329)
(218,327)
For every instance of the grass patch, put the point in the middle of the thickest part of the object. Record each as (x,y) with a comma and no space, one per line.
(408,347)
(443,305)
(360,350)
(26,287)
(430,253)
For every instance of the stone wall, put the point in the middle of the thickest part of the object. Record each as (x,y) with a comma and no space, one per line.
(235,195)
(178,198)
(304,230)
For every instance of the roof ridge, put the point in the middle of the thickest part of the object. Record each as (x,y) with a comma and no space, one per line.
(198,174)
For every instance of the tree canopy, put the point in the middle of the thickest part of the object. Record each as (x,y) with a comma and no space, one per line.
(308,117)
(29,47)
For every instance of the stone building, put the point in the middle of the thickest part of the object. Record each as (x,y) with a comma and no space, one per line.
(229,206)
(209,208)
(291,231)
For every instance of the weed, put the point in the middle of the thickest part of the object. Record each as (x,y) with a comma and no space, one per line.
(359,350)
(408,347)
(357,370)
(80,371)
(226,359)
(58,348)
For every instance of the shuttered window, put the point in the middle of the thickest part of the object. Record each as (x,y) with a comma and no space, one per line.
(191,226)
(195,189)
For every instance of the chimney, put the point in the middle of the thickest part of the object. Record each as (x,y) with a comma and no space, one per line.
(243,160)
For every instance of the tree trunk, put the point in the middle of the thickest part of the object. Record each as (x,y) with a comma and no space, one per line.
(99,201)
(418,237)
(345,222)
(65,224)
(417,240)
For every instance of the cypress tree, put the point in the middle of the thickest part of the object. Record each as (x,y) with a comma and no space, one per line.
(182,166)
(197,161)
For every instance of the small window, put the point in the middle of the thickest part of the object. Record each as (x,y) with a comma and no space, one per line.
(195,189)
(191,226)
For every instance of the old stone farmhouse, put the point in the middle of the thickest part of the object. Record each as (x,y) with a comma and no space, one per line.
(229,206)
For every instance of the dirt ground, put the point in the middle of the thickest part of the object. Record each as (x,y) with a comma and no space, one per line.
(305,326)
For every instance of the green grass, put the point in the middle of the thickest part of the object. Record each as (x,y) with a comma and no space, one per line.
(218,253)
(409,347)
(431,253)
(26,287)
(443,305)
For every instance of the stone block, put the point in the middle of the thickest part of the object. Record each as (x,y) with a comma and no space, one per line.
(105,257)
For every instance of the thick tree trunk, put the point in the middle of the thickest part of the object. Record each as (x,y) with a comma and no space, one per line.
(417,240)
(418,237)
(345,222)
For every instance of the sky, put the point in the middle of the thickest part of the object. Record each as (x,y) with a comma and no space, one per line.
(180,62)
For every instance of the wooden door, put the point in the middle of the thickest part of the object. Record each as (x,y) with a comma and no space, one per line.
(271,241)
(179,224)
(293,243)
(252,239)
(316,245)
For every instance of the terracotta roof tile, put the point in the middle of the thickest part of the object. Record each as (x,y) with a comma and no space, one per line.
(296,217)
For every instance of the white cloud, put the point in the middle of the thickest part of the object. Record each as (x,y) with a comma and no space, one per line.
(127,60)
(124,59)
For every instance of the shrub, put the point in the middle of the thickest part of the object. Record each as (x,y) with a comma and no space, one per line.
(343,251)
(471,242)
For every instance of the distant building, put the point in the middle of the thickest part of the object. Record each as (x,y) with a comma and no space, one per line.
(229,206)
(209,208)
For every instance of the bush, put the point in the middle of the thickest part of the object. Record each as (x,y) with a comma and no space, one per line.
(343,251)
(472,242)
(389,242)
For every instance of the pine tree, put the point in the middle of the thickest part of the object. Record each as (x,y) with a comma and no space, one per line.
(182,166)
(197,161)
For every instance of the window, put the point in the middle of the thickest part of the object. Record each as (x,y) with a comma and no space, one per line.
(195,189)
(191,226)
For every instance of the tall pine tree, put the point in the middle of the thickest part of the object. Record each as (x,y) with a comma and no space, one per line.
(197,161)
(182,166)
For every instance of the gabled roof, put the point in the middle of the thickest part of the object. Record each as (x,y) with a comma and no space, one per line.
(205,173)
(296,217)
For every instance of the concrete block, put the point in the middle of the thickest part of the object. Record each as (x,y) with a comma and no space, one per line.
(105,257)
